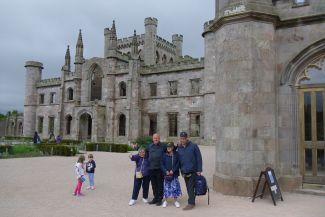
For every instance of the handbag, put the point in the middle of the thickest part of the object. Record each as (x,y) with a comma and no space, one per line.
(138,174)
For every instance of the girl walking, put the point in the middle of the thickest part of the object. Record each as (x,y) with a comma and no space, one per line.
(170,168)
(80,173)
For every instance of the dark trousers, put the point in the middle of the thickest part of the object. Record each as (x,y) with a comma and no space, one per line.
(157,183)
(190,185)
(145,181)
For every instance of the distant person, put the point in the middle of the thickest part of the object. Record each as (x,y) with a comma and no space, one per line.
(90,169)
(80,173)
(170,168)
(141,176)
(191,166)
(36,138)
(58,139)
(51,138)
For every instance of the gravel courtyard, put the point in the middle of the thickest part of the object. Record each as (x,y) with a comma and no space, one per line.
(43,186)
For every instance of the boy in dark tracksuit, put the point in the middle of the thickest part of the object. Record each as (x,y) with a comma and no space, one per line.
(191,165)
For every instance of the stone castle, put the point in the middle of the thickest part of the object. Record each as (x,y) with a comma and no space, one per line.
(257,95)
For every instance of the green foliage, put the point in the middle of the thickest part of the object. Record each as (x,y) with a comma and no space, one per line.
(143,141)
(19,138)
(57,149)
(101,146)
(6,149)
(2,117)
(24,149)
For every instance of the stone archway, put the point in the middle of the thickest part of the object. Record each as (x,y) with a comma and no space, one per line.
(85,127)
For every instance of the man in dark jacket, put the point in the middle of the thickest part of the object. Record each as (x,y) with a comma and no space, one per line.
(155,153)
(191,166)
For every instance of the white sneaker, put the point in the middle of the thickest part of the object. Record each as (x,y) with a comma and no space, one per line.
(177,204)
(132,202)
(165,204)
(145,200)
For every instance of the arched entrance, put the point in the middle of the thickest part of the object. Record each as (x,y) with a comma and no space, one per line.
(85,127)
(311,91)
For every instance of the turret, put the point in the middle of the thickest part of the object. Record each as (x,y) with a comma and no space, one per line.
(134,47)
(150,40)
(79,59)
(178,42)
(67,63)
(33,76)
(110,42)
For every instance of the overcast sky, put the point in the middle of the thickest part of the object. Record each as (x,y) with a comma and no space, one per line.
(40,30)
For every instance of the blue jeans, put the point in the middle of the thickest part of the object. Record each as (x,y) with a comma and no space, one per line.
(91,179)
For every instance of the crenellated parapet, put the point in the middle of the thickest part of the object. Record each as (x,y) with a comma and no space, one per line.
(124,43)
(165,45)
(151,21)
(185,64)
(49,82)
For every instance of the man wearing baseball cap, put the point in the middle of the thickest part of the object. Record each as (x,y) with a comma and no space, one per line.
(191,166)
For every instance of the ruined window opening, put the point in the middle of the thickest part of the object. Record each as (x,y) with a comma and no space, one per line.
(173,88)
(122,125)
(41,98)
(52,98)
(152,124)
(40,124)
(195,124)
(172,122)
(51,125)
(122,88)
(195,86)
(96,85)
(68,124)
(70,94)
(153,89)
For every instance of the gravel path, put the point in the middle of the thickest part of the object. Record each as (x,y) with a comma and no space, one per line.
(43,186)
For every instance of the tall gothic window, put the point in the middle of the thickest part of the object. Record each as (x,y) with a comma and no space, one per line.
(157,57)
(40,124)
(51,125)
(164,59)
(70,93)
(122,125)
(173,88)
(122,86)
(96,84)
(172,124)
(68,124)
(195,124)
(52,98)
(152,124)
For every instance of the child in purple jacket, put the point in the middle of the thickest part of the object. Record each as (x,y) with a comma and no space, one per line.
(141,176)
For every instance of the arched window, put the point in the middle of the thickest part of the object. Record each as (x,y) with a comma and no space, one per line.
(68,124)
(96,84)
(122,86)
(122,123)
(70,93)
(164,59)
(157,57)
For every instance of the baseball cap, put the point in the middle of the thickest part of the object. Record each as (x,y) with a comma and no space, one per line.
(183,134)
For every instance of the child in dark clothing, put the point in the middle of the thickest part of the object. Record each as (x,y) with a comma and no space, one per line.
(170,168)
(141,176)
(90,169)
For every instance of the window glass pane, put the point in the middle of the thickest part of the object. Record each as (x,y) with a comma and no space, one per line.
(319,116)
(308,162)
(320,162)
(307,110)
(317,76)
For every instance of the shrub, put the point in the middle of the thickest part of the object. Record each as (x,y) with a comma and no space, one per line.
(24,149)
(143,141)
(107,147)
(57,149)
(6,149)
(20,138)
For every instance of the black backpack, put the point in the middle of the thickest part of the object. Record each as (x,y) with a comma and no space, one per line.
(201,187)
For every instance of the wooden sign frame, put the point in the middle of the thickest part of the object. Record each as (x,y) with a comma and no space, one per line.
(271,183)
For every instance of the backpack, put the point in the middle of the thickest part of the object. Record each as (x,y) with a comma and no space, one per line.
(201,187)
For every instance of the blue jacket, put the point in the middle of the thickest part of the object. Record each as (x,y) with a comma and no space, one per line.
(167,161)
(139,166)
(155,153)
(190,158)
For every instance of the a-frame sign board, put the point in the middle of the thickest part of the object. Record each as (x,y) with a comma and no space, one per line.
(271,183)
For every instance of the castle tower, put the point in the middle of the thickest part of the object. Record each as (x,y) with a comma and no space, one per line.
(240,69)
(110,41)
(79,58)
(150,40)
(33,76)
(178,42)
